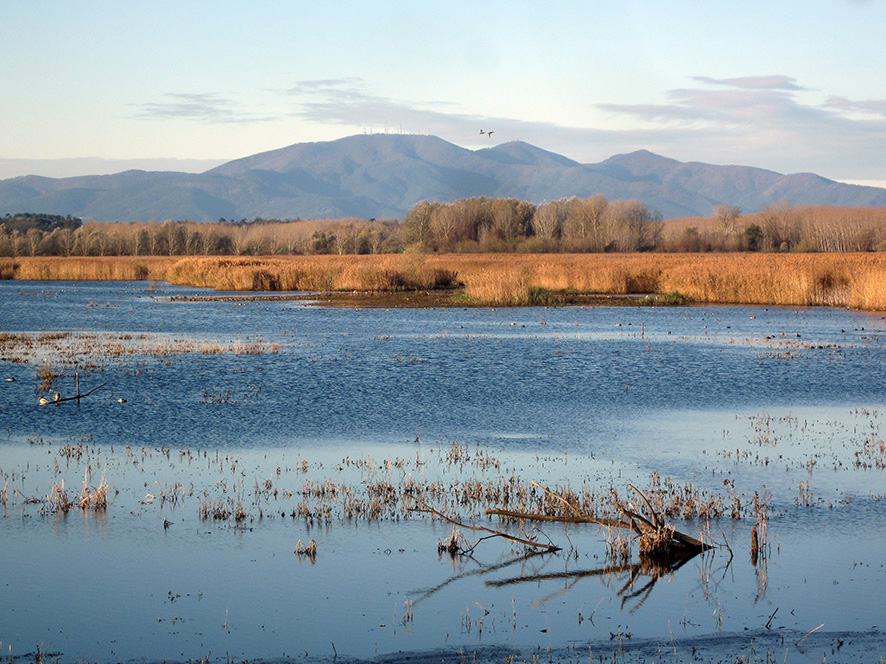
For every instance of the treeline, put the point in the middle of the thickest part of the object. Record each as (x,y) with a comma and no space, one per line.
(506,224)
(779,227)
(25,221)
(188,238)
(474,225)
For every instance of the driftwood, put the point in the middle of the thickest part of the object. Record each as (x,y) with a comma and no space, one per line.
(78,396)
(657,540)
(663,550)
(548,548)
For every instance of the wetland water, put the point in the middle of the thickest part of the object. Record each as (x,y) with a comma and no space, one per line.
(314,422)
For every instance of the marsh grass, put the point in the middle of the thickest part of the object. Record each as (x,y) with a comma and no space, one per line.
(855,280)
(53,352)
(314,273)
(457,479)
(58,500)
(618,546)
(673,299)
(46,375)
(95,498)
(82,268)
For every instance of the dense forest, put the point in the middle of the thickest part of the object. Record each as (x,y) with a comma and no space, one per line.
(571,225)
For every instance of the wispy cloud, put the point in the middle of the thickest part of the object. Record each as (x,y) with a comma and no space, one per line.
(328,84)
(775,82)
(744,101)
(757,119)
(202,106)
(869,106)
(346,101)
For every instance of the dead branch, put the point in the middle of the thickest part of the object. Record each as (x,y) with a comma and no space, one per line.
(562,519)
(656,520)
(74,398)
(525,542)
(660,537)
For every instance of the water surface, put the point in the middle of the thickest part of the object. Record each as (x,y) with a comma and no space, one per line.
(783,402)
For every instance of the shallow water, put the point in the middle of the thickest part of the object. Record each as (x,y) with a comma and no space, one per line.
(780,401)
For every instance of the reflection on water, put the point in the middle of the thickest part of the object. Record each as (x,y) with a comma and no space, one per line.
(273,404)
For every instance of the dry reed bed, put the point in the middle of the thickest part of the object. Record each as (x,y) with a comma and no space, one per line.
(857,281)
(95,268)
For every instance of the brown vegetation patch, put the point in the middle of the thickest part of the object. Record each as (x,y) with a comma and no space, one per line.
(854,280)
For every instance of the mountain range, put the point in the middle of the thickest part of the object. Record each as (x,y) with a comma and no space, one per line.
(383,175)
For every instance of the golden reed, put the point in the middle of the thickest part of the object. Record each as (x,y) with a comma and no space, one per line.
(855,280)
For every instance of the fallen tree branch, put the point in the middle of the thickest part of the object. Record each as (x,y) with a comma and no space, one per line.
(74,398)
(612,523)
(525,542)
(656,520)
(653,530)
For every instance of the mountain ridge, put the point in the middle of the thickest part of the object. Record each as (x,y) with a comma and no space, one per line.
(384,175)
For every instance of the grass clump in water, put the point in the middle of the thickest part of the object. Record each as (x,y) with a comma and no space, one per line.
(672,299)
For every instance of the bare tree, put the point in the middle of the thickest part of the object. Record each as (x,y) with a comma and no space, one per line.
(443,223)
(727,217)
(417,224)
(584,221)
(547,222)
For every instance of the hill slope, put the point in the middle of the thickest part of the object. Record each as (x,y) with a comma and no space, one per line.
(384,175)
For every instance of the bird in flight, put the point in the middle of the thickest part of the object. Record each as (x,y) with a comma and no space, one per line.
(488,133)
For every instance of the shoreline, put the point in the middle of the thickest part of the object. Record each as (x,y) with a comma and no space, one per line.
(436,299)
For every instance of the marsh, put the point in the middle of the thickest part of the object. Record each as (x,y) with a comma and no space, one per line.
(316,423)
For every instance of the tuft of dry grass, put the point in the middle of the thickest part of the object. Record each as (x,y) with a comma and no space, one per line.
(58,500)
(94,498)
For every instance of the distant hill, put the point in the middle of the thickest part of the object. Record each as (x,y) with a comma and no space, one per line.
(382,176)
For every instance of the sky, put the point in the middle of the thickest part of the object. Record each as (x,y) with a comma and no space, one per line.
(791,86)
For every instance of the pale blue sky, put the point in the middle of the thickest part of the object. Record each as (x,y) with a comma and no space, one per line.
(794,85)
